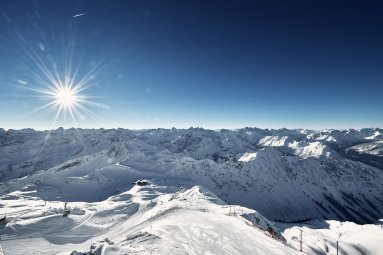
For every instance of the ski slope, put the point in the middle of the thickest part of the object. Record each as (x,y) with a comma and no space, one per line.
(162,220)
(142,220)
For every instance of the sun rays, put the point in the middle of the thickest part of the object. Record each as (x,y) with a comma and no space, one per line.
(63,90)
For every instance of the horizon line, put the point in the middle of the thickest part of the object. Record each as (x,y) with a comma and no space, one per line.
(184,128)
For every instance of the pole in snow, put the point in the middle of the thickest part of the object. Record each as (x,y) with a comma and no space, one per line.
(301,239)
(337,247)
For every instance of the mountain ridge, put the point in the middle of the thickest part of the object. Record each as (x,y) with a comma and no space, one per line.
(295,174)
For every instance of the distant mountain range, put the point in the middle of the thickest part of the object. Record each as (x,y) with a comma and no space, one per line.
(287,175)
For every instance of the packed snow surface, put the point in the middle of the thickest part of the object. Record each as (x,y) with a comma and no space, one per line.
(143,220)
(161,220)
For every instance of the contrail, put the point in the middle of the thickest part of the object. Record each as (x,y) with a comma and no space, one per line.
(79,15)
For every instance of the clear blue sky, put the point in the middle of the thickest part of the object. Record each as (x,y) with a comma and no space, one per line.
(215,64)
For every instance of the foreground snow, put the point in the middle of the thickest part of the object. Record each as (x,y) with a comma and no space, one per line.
(320,237)
(143,220)
(163,220)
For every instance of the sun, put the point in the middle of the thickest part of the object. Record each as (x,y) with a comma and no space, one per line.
(65,97)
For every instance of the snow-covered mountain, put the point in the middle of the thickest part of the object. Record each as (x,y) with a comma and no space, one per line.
(270,175)
(287,175)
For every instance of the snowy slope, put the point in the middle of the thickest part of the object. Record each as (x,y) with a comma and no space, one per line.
(169,220)
(143,220)
(321,237)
